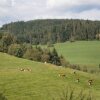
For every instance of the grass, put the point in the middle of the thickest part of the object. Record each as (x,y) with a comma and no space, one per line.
(69,94)
(81,52)
(43,83)
(84,53)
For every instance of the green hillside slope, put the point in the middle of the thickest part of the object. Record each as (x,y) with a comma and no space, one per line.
(42,82)
(53,30)
(81,52)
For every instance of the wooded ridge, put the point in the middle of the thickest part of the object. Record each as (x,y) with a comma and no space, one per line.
(53,30)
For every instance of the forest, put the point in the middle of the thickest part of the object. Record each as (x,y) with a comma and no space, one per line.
(52,30)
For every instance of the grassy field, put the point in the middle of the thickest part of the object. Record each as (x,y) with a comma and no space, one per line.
(43,82)
(84,53)
(81,52)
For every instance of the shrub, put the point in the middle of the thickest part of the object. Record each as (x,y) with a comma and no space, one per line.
(72,39)
(28,54)
(1,46)
(64,62)
(75,66)
(16,50)
(92,71)
(45,58)
(50,44)
(32,54)
(85,69)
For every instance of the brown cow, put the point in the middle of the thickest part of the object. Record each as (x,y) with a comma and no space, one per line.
(22,69)
(77,80)
(90,82)
(25,69)
(28,69)
(62,75)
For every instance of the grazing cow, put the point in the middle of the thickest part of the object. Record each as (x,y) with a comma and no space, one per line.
(28,69)
(90,82)
(45,62)
(22,69)
(77,80)
(62,75)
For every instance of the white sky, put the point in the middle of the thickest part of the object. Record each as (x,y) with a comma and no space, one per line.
(14,10)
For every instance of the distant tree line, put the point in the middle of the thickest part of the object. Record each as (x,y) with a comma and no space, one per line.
(9,45)
(25,34)
(53,30)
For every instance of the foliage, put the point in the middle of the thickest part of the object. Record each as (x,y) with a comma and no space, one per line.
(43,55)
(53,31)
(85,69)
(16,50)
(83,53)
(24,50)
(28,54)
(5,41)
(50,44)
(64,62)
(54,58)
(36,54)
(75,66)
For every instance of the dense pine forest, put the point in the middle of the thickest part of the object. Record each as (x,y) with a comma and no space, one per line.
(52,30)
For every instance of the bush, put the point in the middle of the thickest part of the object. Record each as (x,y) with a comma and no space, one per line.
(16,50)
(72,39)
(1,46)
(64,62)
(50,44)
(85,69)
(92,71)
(28,54)
(32,54)
(45,58)
(75,66)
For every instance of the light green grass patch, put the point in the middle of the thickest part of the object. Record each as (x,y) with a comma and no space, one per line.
(43,82)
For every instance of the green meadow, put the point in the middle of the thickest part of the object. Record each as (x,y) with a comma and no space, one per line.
(84,53)
(80,52)
(43,82)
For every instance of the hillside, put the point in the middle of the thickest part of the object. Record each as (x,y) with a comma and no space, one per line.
(84,53)
(43,82)
(53,30)
(81,52)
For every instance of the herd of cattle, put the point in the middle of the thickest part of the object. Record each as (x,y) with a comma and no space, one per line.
(90,81)
(25,69)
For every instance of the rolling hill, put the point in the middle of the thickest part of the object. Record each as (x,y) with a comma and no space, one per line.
(80,52)
(43,82)
(53,30)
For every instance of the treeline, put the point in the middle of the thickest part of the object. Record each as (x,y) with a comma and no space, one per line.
(53,30)
(9,45)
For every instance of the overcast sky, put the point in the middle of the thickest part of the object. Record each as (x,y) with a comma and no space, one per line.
(14,10)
